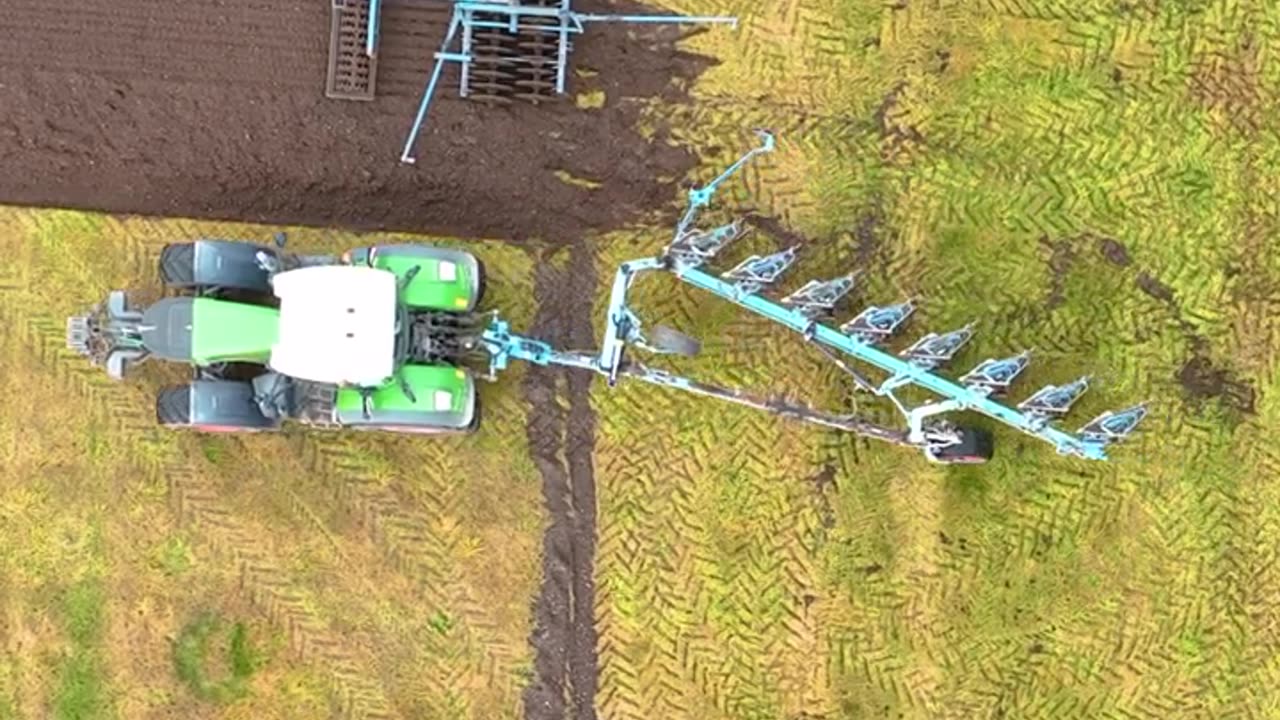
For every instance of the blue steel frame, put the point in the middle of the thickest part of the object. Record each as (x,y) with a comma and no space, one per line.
(623,328)
(375,22)
(463,19)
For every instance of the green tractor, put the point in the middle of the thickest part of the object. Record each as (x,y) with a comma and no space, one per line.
(375,339)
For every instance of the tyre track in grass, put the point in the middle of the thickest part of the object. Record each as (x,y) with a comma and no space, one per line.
(561,433)
(263,576)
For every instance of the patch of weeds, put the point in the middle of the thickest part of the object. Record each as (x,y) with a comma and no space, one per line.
(81,693)
(966,484)
(173,557)
(524,673)
(213,450)
(96,443)
(191,653)
(569,178)
(441,622)
(592,100)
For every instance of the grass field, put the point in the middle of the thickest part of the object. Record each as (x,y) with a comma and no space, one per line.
(379,577)
(1088,179)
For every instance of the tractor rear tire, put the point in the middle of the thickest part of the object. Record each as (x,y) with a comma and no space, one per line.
(474,425)
(482,281)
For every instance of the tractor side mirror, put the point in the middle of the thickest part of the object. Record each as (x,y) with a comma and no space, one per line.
(280,239)
(369,256)
(366,403)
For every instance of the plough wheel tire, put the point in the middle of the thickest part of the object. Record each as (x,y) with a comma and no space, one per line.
(178,265)
(674,341)
(976,446)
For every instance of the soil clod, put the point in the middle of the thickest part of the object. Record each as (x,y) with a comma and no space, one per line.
(1114,252)
(1201,380)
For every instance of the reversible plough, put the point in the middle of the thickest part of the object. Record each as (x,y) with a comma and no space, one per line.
(387,337)
(861,338)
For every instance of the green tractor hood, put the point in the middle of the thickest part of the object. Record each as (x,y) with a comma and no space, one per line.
(206,331)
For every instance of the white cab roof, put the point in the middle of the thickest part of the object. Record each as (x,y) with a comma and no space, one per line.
(337,324)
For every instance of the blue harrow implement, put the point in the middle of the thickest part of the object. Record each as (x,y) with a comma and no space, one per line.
(505,50)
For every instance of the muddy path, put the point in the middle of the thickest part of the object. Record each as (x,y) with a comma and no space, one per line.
(217,111)
(561,434)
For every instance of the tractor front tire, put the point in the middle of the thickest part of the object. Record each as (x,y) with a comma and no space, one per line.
(177,265)
(173,406)
(212,406)
(221,266)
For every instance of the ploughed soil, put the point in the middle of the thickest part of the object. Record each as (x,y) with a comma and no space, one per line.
(216,109)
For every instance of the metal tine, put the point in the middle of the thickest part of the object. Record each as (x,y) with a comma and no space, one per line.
(78,334)
(696,247)
(757,272)
(819,297)
(1114,425)
(1055,400)
(995,376)
(933,349)
(878,323)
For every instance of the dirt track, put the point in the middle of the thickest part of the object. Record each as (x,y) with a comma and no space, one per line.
(217,109)
(561,436)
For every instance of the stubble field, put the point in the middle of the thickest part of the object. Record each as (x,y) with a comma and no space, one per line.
(1090,180)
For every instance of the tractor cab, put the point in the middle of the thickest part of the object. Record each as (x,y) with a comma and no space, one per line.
(338,325)
(347,326)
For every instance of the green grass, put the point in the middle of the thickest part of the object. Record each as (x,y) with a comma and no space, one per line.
(728,585)
(211,676)
(82,692)
(173,557)
(1037,586)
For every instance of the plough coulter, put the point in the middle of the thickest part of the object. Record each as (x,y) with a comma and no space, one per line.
(388,337)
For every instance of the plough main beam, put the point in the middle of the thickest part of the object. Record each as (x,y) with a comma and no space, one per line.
(907,371)
(505,346)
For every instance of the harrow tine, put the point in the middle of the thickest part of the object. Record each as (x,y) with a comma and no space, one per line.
(1113,426)
(695,247)
(1055,400)
(876,324)
(995,376)
(819,297)
(934,350)
(756,273)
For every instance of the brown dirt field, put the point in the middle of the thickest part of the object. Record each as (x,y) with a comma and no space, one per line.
(217,110)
